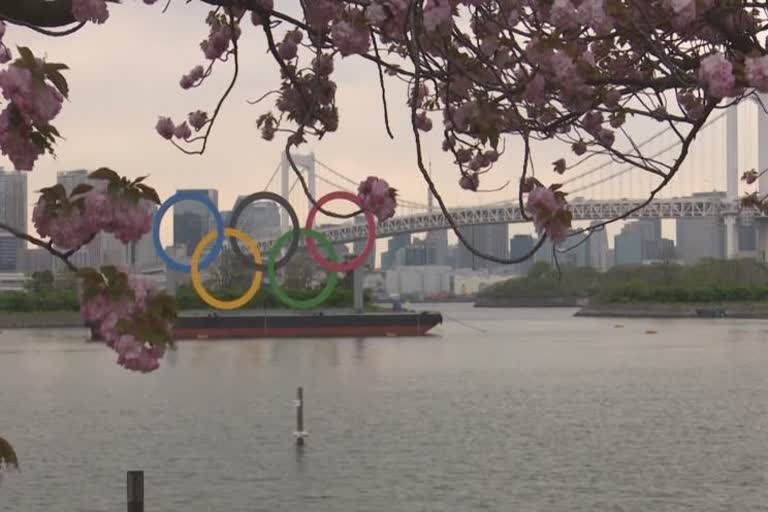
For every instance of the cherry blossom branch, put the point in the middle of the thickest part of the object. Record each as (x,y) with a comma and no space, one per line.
(413,47)
(381,85)
(63,256)
(223,98)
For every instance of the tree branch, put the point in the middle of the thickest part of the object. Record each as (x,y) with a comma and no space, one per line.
(63,256)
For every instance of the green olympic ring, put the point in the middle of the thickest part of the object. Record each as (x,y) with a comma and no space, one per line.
(330,283)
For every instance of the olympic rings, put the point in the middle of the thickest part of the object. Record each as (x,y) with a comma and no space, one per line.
(330,283)
(360,259)
(218,236)
(241,206)
(197,282)
(217,246)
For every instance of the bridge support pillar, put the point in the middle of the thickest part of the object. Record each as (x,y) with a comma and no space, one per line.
(731,237)
(358,276)
(762,239)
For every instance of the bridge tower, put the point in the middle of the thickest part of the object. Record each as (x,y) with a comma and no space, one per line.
(305,163)
(732,182)
(762,183)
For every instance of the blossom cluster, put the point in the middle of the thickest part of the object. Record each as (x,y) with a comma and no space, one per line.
(32,103)
(111,204)
(132,318)
(549,209)
(5,52)
(378,197)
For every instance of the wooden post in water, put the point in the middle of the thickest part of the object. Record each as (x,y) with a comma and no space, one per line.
(300,417)
(135,491)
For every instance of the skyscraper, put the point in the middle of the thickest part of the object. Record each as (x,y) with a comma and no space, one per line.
(519,246)
(192,220)
(393,245)
(491,239)
(13,212)
(439,240)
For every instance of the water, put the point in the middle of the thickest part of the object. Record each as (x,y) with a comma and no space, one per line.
(541,412)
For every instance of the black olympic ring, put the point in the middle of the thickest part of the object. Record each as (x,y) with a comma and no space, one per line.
(292,247)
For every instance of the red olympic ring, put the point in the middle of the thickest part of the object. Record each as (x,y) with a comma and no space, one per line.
(352,264)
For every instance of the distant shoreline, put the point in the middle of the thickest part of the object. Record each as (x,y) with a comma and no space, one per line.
(744,310)
(531,302)
(40,319)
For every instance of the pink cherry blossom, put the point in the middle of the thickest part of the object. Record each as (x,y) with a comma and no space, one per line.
(549,213)
(563,14)
(349,38)
(757,72)
(470,182)
(38,103)
(378,198)
(750,177)
(90,10)
(423,122)
(685,11)
(437,13)
(165,127)
(182,131)
(592,13)
(17,146)
(323,64)
(716,72)
(197,119)
(190,79)
(287,50)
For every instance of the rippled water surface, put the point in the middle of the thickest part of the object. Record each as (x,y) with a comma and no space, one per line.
(538,412)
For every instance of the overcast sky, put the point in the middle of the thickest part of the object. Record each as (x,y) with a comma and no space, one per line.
(125,73)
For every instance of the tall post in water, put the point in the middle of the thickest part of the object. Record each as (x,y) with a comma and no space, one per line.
(135,492)
(300,434)
(732,182)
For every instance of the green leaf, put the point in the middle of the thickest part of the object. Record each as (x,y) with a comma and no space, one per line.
(110,272)
(27,56)
(81,189)
(56,192)
(54,66)
(139,179)
(8,456)
(149,193)
(87,272)
(58,80)
(104,174)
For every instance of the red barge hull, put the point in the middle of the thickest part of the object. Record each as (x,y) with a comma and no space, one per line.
(305,326)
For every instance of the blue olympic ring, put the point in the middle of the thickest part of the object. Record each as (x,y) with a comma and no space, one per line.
(218,245)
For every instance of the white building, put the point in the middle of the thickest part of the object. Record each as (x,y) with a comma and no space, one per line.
(422,281)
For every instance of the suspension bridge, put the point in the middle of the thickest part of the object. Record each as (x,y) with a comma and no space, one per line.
(706,186)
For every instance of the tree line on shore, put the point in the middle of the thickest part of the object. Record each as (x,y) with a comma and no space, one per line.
(707,281)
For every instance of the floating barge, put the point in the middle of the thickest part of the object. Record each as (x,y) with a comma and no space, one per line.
(303,325)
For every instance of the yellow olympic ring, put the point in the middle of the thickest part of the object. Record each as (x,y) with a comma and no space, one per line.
(197,282)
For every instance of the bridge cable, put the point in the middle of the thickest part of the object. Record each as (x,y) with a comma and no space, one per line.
(640,145)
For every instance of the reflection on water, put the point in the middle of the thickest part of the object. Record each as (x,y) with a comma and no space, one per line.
(525,410)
